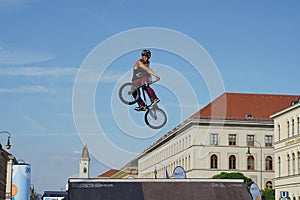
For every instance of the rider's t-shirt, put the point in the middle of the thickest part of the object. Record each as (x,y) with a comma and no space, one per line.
(139,72)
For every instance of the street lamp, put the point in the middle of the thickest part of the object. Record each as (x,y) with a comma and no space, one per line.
(8,145)
(155,173)
(249,154)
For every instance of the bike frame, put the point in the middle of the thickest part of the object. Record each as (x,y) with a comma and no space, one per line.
(143,91)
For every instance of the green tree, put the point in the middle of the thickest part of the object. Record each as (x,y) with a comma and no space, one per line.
(234,175)
(268,194)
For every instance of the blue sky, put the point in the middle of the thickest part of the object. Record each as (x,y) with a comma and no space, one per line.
(255,46)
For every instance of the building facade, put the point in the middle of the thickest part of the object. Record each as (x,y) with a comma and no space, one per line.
(9,173)
(287,151)
(3,175)
(217,138)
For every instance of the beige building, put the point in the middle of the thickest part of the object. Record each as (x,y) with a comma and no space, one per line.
(287,151)
(3,169)
(9,172)
(129,171)
(216,138)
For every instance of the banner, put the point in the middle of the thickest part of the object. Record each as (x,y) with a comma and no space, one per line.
(21,182)
(179,172)
(255,192)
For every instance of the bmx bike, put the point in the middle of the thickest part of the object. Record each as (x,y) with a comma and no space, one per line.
(155,117)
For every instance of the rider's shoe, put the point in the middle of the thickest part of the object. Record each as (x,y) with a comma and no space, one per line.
(155,101)
(140,108)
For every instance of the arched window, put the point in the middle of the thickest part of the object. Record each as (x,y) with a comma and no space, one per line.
(269,163)
(289,164)
(214,162)
(298,162)
(250,163)
(232,162)
(189,162)
(293,127)
(84,170)
(179,147)
(288,129)
(294,163)
(279,167)
(278,132)
(298,125)
(269,185)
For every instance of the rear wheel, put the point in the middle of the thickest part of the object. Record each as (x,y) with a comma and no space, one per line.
(129,93)
(155,118)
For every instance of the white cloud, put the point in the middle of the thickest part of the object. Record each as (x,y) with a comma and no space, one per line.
(25,89)
(15,5)
(111,77)
(10,3)
(65,157)
(77,152)
(17,56)
(92,76)
(33,123)
(37,71)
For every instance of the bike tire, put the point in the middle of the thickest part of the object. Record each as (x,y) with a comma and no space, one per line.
(126,91)
(155,118)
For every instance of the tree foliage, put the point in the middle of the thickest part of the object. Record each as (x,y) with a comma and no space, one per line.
(233,175)
(268,194)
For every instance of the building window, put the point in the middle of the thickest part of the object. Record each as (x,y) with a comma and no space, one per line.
(85,170)
(298,125)
(288,129)
(269,185)
(232,139)
(232,162)
(298,162)
(213,162)
(269,140)
(294,164)
(269,163)
(189,162)
(278,132)
(250,163)
(279,167)
(250,140)
(293,127)
(214,139)
(289,164)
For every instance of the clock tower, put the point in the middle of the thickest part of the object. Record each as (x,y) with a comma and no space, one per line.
(84,164)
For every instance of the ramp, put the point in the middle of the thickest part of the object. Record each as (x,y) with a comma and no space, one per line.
(157,189)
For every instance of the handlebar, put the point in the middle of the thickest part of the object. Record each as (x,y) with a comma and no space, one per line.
(151,82)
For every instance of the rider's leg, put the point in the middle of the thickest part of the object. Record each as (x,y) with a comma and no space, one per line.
(139,100)
(150,91)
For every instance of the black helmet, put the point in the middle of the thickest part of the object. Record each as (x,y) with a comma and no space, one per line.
(146,52)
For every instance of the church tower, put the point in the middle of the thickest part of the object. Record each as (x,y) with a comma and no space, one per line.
(84,164)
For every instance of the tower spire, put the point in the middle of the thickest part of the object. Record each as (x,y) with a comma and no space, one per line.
(84,164)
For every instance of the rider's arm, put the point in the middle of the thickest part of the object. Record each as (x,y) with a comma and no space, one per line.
(147,69)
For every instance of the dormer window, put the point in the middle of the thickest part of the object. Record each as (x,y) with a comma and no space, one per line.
(249,116)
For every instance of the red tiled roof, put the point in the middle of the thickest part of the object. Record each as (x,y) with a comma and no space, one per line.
(108,173)
(238,105)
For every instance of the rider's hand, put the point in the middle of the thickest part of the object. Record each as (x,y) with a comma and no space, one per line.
(157,78)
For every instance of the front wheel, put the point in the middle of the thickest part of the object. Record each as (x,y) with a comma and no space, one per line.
(129,93)
(155,118)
